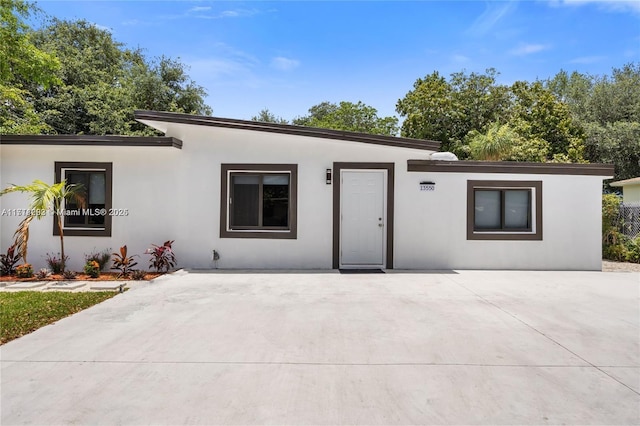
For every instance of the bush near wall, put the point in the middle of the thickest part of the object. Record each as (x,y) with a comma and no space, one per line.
(616,245)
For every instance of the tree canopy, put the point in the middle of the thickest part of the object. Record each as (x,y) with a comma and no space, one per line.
(522,122)
(21,61)
(357,117)
(78,79)
(608,109)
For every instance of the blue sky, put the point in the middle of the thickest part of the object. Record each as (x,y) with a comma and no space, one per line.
(289,55)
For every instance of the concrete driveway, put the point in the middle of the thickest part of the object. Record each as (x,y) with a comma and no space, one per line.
(470,347)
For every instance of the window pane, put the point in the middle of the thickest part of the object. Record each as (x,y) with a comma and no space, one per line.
(245,198)
(97,188)
(487,209)
(275,196)
(75,217)
(516,209)
(276,180)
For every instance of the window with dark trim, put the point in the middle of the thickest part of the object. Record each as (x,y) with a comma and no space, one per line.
(92,218)
(259,201)
(504,210)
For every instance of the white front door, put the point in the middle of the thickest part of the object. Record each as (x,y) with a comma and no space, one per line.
(362,218)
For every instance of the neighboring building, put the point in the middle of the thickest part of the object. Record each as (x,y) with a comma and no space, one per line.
(630,190)
(276,196)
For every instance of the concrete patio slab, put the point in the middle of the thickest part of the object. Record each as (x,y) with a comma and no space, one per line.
(67,285)
(26,285)
(107,285)
(468,347)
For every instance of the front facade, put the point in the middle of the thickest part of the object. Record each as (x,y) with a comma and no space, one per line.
(268,196)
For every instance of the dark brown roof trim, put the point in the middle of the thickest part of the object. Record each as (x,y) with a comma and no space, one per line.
(259,126)
(91,140)
(509,167)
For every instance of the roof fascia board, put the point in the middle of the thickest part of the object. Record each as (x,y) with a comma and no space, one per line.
(199,120)
(91,140)
(511,167)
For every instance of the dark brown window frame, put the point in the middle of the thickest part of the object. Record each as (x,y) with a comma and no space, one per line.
(504,234)
(82,166)
(267,233)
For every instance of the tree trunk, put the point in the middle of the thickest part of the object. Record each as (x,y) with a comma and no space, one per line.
(61,244)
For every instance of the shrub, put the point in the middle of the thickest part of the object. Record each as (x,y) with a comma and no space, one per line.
(92,268)
(8,261)
(24,271)
(613,241)
(138,275)
(43,273)
(122,262)
(633,249)
(69,275)
(102,258)
(55,263)
(162,257)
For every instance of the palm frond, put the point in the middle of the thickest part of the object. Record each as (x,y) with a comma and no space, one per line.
(22,237)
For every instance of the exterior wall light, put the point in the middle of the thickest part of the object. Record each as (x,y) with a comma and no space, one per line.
(328,176)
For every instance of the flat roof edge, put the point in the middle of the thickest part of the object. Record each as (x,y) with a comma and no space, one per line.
(91,140)
(511,167)
(259,126)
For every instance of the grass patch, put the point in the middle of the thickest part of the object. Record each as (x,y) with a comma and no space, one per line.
(26,311)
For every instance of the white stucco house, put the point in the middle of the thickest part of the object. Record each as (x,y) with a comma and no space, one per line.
(287,197)
(630,190)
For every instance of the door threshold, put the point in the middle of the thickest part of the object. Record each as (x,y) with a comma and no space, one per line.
(361,271)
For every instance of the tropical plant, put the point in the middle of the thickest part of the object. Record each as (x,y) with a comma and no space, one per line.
(56,263)
(69,275)
(24,271)
(123,263)
(102,258)
(43,273)
(138,275)
(92,268)
(8,261)
(162,257)
(45,197)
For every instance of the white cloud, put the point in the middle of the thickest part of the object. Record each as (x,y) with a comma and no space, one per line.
(491,16)
(102,27)
(284,64)
(459,58)
(609,5)
(199,9)
(528,49)
(587,59)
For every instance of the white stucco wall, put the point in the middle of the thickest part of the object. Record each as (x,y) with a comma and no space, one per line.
(631,194)
(431,226)
(175,194)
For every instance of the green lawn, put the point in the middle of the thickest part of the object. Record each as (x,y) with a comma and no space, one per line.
(26,311)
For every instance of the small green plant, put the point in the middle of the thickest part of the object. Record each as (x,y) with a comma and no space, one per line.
(69,275)
(123,263)
(43,274)
(102,258)
(55,263)
(138,275)
(8,261)
(24,271)
(92,268)
(633,249)
(162,257)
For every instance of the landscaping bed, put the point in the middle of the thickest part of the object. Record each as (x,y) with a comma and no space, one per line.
(104,276)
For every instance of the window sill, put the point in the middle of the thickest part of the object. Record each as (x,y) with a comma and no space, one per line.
(272,235)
